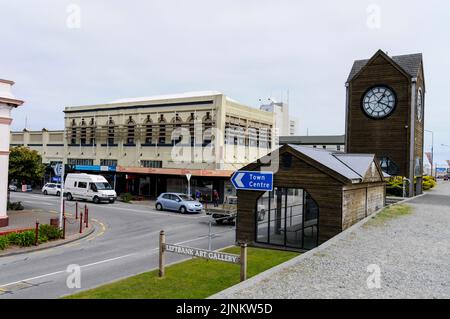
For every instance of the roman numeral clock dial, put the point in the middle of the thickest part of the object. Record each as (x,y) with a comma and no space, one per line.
(379,102)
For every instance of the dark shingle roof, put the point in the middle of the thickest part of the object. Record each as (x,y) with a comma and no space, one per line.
(410,63)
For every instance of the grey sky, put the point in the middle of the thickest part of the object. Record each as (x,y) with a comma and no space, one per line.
(246,49)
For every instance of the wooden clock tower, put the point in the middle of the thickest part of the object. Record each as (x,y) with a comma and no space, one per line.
(385,113)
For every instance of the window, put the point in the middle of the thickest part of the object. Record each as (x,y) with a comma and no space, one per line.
(80,161)
(92,132)
(324,147)
(148,130)
(73,133)
(338,147)
(82,185)
(151,164)
(162,130)
(253,134)
(130,131)
(177,135)
(108,162)
(83,133)
(389,166)
(111,132)
(192,128)
(167,196)
(287,217)
(207,128)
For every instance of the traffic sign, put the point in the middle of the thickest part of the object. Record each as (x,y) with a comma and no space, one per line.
(254,181)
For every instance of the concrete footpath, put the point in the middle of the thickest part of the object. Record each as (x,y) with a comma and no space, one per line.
(411,253)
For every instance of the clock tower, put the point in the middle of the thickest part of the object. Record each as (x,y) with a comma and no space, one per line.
(385,113)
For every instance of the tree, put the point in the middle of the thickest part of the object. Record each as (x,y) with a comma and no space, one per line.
(25,165)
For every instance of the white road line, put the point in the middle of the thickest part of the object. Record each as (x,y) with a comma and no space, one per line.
(98,262)
(34,203)
(174,214)
(63,271)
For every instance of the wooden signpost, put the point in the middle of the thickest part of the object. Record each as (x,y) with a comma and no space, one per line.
(201,253)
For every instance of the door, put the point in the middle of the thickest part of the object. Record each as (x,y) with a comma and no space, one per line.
(91,191)
(82,190)
(176,202)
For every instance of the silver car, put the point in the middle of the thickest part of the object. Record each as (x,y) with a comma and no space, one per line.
(178,202)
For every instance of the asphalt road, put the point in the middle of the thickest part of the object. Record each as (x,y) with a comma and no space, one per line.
(125,243)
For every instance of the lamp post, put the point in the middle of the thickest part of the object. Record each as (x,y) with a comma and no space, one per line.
(7,102)
(432,151)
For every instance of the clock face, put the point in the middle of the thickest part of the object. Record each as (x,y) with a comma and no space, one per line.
(419,108)
(379,101)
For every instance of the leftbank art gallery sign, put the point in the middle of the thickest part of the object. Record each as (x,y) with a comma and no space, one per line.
(202,253)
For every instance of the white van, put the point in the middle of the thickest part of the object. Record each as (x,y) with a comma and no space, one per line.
(89,187)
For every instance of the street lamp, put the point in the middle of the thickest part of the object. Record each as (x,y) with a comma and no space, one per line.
(432,151)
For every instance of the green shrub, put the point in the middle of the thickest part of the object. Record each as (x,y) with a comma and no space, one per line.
(4,242)
(43,238)
(15,206)
(50,232)
(24,239)
(12,238)
(127,197)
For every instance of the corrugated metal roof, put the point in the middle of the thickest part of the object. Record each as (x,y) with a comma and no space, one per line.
(410,63)
(350,166)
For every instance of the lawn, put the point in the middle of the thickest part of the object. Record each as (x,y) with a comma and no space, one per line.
(389,213)
(192,279)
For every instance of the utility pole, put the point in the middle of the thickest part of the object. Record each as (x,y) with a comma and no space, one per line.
(432,151)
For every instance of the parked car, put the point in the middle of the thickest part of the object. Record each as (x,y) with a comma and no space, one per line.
(51,189)
(446,178)
(12,188)
(178,202)
(89,187)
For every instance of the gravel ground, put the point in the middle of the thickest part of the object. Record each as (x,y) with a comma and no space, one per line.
(412,252)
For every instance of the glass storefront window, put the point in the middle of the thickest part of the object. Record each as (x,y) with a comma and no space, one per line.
(287,217)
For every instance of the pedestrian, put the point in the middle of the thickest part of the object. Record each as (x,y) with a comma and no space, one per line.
(198,195)
(215,198)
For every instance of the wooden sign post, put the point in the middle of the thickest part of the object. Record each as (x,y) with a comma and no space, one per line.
(162,242)
(243,261)
(201,253)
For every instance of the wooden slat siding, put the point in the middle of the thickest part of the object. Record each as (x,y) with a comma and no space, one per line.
(375,199)
(361,202)
(382,137)
(324,189)
(354,206)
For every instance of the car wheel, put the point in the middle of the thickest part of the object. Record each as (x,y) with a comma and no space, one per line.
(111,201)
(183,210)
(45,193)
(159,206)
(69,197)
(58,193)
(96,200)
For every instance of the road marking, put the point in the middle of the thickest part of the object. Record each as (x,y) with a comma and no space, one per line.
(153,250)
(174,214)
(34,203)
(63,271)
(94,236)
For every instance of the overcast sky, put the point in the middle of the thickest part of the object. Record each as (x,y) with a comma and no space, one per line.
(249,50)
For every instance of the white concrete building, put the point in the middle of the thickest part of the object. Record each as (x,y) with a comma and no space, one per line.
(285,124)
(7,102)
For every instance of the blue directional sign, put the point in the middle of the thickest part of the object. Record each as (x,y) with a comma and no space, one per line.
(254,181)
